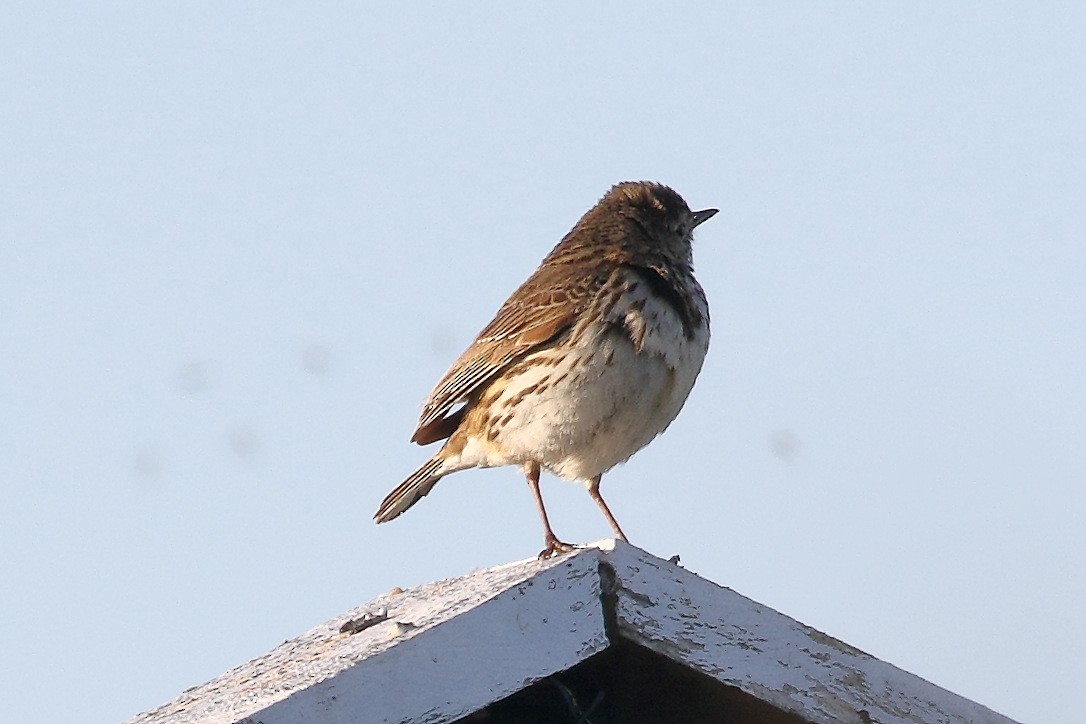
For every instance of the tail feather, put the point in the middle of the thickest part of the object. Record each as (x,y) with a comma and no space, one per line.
(410,491)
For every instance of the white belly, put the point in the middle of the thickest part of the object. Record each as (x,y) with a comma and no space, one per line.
(594,406)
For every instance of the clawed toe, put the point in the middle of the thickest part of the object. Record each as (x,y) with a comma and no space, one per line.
(555,547)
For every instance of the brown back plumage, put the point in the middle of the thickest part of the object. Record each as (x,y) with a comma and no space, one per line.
(624,228)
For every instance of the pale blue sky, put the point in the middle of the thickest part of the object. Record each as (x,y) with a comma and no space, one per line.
(240,242)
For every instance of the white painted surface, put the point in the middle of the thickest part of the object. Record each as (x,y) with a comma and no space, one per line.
(515,623)
(769,655)
(524,621)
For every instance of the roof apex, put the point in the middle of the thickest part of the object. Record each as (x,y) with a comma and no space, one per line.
(401,656)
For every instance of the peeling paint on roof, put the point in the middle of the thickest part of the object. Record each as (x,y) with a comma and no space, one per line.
(401,656)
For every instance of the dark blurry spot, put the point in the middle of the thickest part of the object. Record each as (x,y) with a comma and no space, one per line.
(784,444)
(147,463)
(193,378)
(442,343)
(244,442)
(316,359)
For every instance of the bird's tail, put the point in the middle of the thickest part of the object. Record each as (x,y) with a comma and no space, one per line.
(410,491)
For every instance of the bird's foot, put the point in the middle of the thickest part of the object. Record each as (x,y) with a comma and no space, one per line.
(555,547)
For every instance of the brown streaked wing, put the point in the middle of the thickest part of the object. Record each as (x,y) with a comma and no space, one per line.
(544,306)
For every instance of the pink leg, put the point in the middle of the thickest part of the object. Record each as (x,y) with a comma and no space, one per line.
(550,540)
(594,491)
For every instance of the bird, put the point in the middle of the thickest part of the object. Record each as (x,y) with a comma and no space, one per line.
(588,361)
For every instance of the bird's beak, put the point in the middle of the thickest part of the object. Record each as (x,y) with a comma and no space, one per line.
(703,216)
